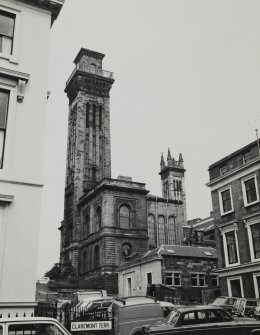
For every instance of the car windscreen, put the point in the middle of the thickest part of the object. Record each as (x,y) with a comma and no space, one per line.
(33,329)
(172,318)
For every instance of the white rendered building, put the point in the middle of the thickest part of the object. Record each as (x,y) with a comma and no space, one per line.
(24,49)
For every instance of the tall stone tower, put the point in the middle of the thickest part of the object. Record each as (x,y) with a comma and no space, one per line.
(88,145)
(105,219)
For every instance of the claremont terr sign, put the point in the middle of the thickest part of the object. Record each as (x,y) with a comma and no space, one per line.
(91,325)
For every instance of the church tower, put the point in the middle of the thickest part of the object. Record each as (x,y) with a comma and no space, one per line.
(88,144)
(105,222)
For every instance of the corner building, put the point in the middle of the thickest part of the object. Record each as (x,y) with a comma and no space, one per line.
(108,221)
(234,183)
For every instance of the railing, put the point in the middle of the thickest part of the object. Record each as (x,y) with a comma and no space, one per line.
(96,71)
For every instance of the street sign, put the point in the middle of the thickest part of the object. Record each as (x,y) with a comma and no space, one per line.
(91,325)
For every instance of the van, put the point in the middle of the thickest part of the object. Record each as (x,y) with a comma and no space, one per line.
(130,314)
(245,307)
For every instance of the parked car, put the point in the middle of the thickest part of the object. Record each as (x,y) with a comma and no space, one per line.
(31,326)
(245,307)
(202,320)
(225,302)
(131,313)
(257,310)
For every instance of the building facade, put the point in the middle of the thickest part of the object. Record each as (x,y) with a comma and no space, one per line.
(234,183)
(190,271)
(23,99)
(106,220)
(200,232)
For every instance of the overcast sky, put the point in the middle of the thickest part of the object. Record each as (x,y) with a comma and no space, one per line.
(187,77)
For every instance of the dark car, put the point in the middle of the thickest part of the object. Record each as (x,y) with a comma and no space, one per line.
(202,320)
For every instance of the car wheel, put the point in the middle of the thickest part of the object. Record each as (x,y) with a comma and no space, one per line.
(250,314)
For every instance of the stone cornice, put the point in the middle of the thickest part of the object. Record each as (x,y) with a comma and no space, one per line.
(111,184)
(89,83)
(54,6)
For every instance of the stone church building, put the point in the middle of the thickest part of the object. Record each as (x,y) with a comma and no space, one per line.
(109,221)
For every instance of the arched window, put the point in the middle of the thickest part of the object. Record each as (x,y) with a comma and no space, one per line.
(94,116)
(87,115)
(84,261)
(171,230)
(96,257)
(86,225)
(92,68)
(100,117)
(161,229)
(98,218)
(124,217)
(151,230)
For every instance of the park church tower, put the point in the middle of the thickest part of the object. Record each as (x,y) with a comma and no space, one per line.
(105,220)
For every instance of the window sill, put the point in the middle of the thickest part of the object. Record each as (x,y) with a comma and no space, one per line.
(10,58)
(232,265)
(226,213)
(252,203)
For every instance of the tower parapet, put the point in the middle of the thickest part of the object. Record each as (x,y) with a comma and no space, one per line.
(172,178)
(171,162)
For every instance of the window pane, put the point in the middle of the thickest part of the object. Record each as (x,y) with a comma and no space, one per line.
(151,229)
(171,238)
(3,108)
(250,190)
(226,201)
(168,276)
(255,229)
(2,138)
(194,280)
(6,44)
(201,280)
(33,329)
(161,230)
(177,279)
(6,24)
(231,247)
(124,217)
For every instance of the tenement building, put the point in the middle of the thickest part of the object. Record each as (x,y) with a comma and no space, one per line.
(107,221)
(234,183)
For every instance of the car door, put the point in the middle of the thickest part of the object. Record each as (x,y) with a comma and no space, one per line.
(193,323)
(221,323)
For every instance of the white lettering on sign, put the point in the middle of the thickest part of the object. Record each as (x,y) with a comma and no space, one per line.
(93,325)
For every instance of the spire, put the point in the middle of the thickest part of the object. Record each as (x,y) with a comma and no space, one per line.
(169,154)
(180,159)
(162,162)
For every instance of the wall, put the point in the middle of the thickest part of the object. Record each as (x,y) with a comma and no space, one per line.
(138,275)
(21,178)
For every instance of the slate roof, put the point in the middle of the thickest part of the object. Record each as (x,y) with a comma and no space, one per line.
(171,250)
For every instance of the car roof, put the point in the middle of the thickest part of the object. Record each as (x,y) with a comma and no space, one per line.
(166,304)
(192,308)
(135,300)
(27,319)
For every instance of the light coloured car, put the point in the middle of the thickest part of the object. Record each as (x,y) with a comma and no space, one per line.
(31,326)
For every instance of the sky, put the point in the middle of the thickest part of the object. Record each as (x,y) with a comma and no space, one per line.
(187,77)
